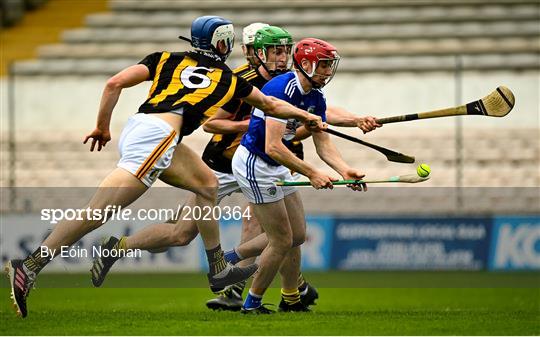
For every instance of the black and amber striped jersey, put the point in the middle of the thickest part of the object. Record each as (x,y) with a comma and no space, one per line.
(192,83)
(220,150)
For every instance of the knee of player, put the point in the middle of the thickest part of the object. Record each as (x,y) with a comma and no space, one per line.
(298,239)
(284,243)
(209,189)
(211,181)
(207,193)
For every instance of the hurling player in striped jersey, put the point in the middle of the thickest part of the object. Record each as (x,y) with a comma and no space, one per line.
(187,88)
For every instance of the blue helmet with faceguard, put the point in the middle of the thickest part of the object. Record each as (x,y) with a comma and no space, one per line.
(207,31)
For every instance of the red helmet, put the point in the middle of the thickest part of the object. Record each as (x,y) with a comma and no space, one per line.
(315,51)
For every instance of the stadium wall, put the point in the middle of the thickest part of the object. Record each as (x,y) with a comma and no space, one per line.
(343,243)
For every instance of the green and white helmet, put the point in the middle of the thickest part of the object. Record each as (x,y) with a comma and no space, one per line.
(249,31)
(248,36)
(273,36)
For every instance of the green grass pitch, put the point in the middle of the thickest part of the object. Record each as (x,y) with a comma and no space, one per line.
(351,303)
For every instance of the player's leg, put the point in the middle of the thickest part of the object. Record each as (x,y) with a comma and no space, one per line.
(119,188)
(154,238)
(277,227)
(181,231)
(186,171)
(159,237)
(256,241)
(256,179)
(145,144)
(221,273)
(253,241)
(250,229)
(290,269)
(248,249)
(254,247)
(308,293)
(174,232)
(231,298)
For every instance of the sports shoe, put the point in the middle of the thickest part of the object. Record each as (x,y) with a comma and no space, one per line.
(231,275)
(261,310)
(21,281)
(101,264)
(228,300)
(309,295)
(297,307)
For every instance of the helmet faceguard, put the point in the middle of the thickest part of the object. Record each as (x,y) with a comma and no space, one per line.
(223,33)
(281,42)
(321,55)
(208,31)
(248,37)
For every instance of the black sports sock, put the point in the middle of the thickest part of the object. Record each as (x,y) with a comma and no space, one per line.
(36,261)
(216,262)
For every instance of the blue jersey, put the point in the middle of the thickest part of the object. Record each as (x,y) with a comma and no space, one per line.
(286,87)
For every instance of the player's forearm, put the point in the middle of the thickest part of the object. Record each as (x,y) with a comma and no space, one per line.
(340,117)
(225,126)
(335,161)
(329,153)
(281,109)
(109,98)
(281,154)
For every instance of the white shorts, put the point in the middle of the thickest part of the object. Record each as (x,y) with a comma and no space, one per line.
(146,147)
(227,185)
(257,179)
